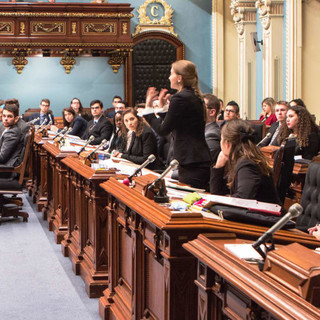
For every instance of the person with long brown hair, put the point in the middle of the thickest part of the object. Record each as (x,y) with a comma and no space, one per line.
(186,120)
(249,174)
(138,140)
(71,120)
(301,125)
(77,106)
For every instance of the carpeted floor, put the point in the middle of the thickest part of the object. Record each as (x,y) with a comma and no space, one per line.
(36,281)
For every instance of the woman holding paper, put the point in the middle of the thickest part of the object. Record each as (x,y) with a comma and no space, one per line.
(249,175)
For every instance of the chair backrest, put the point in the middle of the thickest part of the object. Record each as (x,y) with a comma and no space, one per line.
(259,129)
(283,166)
(25,153)
(310,198)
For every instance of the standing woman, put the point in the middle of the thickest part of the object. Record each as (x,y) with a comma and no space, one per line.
(301,125)
(76,105)
(186,120)
(138,140)
(77,123)
(267,114)
(249,175)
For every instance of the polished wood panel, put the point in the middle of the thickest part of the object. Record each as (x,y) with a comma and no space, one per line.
(150,273)
(229,287)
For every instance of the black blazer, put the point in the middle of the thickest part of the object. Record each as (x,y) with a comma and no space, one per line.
(312,149)
(141,147)
(271,130)
(212,135)
(49,116)
(79,127)
(11,146)
(185,120)
(101,130)
(249,183)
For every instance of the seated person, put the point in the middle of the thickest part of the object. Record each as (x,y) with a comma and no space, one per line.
(76,105)
(100,127)
(10,141)
(139,140)
(116,139)
(280,112)
(249,175)
(21,124)
(45,114)
(212,129)
(111,113)
(77,123)
(315,231)
(232,111)
(267,115)
(297,102)
(301,124)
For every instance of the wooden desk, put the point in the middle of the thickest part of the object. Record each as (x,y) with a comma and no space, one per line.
(229,287)
(56,208)
(86,240)
(150,273)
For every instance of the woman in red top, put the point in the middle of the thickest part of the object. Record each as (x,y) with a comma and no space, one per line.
(268,116)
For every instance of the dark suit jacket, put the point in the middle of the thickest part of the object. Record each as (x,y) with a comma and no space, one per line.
(10,146)
(141,147)
(312,149)
(249,183)
(49,116)
(21,124)
(271,130)
(212,135)
(185,120)
(101,130)
(79,127)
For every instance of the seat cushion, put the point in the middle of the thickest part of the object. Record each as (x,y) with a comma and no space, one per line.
(9,185)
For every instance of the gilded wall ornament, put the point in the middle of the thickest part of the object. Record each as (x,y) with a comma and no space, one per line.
(5,27)
(47,27)
(102,28)
(68,60)
(156,20)
(117,58)
(19,61)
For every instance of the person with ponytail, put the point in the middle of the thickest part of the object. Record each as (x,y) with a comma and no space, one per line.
(249,175)
(186,119)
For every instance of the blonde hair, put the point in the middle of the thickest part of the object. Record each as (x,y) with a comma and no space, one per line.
(188,72)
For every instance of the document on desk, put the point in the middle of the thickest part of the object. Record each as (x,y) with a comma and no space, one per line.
(249,204)
(243,251)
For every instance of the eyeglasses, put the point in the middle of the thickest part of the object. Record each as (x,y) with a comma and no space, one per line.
(229,111)
(45,105)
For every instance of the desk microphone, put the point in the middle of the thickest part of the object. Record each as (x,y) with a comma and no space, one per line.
(33,121)
(45,127)
(65,134)
(173,165)
(91,138)
(50,117)
(294,211)
(42,125)
(150,159)
(101,145)
(268,135)
(60,132)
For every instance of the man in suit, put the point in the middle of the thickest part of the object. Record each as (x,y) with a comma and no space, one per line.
(100,127)
(10,141)
(115,101)
(45,113)
(281,114)
(232,111)
(212,130)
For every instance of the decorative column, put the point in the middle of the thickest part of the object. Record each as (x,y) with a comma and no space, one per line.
(271,16)
(244,16)
(218,48)
(293,49)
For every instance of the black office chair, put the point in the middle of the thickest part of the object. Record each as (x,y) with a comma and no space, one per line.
(283,166)
(11,182)
(310,199)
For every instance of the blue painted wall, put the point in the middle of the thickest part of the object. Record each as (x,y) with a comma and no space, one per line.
(93,78)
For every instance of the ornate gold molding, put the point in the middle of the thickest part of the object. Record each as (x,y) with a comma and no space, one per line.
(38,27)
(118,58)
(164,23)
(243,12)
(6,28)
(268,9)
(99,28)
(64,44)
(68,60)
(19,61)
(65,15)
(22,27)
